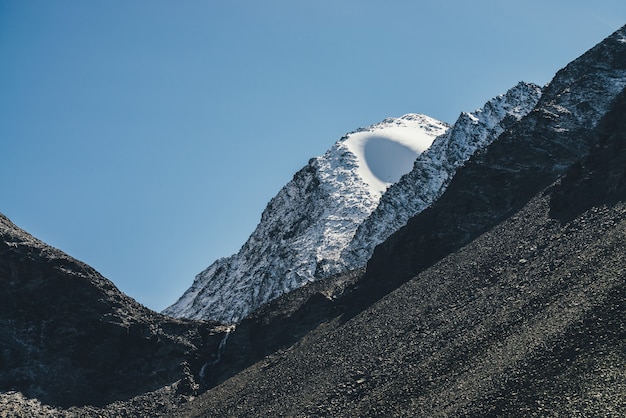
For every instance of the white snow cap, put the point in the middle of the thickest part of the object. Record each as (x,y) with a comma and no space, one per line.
(386,151)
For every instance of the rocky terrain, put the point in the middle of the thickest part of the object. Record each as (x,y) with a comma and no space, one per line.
(533,153)
(506,297)
(534,329)
(68,337)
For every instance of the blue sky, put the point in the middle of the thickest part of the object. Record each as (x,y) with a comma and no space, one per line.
(146,137)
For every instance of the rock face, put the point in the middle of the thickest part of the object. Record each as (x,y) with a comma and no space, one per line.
(534,328)
(306,226)
(434,169)
(69,337)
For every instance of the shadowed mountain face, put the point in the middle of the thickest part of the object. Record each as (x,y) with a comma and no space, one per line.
(69,337)
(528,318)
(599,179)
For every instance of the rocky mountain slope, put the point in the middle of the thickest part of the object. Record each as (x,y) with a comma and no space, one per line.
(69,337)
(536,328)
(310,221)
(524,159)
(491,186)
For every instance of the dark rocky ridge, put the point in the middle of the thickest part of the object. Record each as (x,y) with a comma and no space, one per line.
(69,337)
(599,179)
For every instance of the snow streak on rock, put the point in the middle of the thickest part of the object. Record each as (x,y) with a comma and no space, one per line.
(308,224)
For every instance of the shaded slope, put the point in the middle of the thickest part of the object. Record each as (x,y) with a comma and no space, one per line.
(601,177)
(278,324)
(527,319)
(477,334)
(69,337)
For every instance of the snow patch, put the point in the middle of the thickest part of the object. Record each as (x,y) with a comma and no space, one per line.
(383,157)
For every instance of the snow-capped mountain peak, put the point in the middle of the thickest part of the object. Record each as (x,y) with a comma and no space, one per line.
(339,206)
(307,225)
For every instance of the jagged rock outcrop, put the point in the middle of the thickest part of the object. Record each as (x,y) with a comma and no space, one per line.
(306,226)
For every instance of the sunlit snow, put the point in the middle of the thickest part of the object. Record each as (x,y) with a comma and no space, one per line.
(384,156)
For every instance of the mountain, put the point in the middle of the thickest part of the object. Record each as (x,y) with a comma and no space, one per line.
(273,327)
(433,169)
(505,297)
(305,227)
(534,328)
(69,337)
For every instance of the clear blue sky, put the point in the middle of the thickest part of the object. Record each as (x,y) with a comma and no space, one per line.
(146,137)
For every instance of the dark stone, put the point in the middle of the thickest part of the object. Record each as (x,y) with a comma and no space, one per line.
(69,337)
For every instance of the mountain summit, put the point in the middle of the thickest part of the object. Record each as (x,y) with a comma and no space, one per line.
(307,225)
(505,297)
